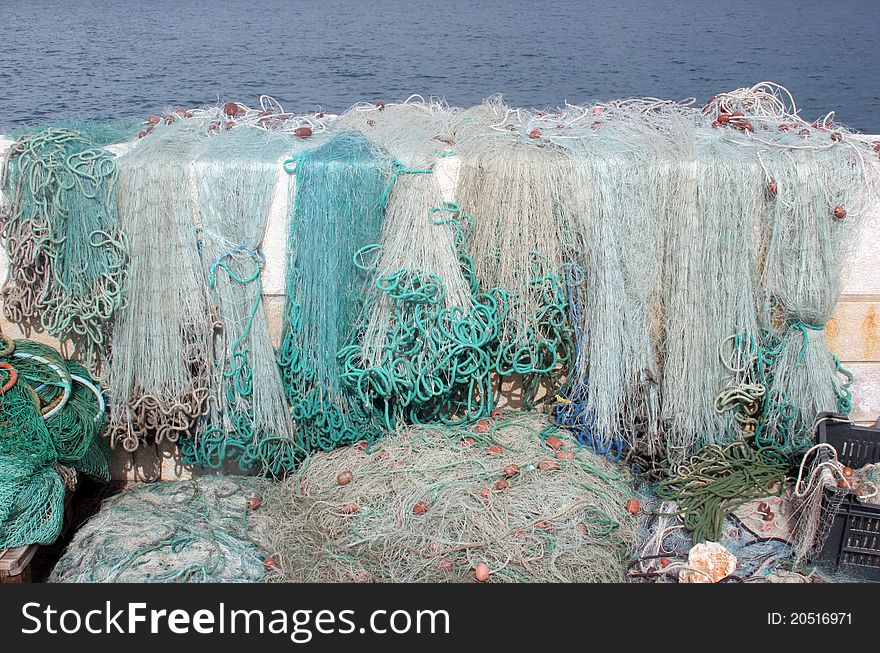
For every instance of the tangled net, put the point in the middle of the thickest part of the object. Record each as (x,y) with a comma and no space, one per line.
(159,372)
(67,252)
(248,417)
(712,483)
(424,348)
(515,189)
(269,116)
(51,415)
(440,504)
(336,209)
(196,531)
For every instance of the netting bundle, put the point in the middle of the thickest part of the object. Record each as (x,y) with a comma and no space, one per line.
(614,240)
(424,347)
(51,414)
(248,418)
(445,504)
(514,184)
(337,208)
(193,531)
(820,195)
(67,252)
(159,372)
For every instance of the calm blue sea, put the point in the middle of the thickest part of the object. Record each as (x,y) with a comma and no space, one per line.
(109,58)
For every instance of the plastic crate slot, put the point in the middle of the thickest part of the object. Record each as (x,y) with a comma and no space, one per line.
(854,537)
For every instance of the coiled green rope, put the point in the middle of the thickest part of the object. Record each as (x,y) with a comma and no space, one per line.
(712,483)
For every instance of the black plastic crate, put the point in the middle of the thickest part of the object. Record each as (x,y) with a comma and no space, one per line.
(853,542)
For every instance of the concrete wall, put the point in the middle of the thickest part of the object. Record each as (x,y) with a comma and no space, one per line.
(852,332)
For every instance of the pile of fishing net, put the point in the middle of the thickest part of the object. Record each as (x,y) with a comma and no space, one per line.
(513,503)
(51,416)
(201,530)
(67,253)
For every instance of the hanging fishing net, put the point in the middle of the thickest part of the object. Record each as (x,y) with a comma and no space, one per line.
(196,531)
(448,504)
(158,383)
(67,253)
(248,420)
(210,377)
(336,210)
(515,185)
(425,344)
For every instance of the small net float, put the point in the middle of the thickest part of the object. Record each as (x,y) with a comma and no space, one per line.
(502,485)
(565,455)
(233,109)
(484,493)
(361,445)
(839,212)
(723,118)
(836,137)
(495,449)
(783,128)
(511,470)
(254,502)
(553,442)
(481,572)
(270,563)
(420,508)
(153,120)
(597,111)
(496,413)
(844,483)
(350,509)
(482,426)
(468,442)
(380,106)
(664,562)
(371,123)
(632,506)
(773,188)
(445,565)
(344,478)
(543,525)
(847,472)
(302,132)
(548,466)
(535,133)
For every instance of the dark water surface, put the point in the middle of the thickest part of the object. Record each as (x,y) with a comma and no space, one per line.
(114,58)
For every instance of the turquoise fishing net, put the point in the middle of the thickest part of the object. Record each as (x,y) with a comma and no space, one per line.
(52,413)
(436,361)
(336,210)
(67,252)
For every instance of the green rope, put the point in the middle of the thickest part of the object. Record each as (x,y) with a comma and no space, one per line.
(714,482)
